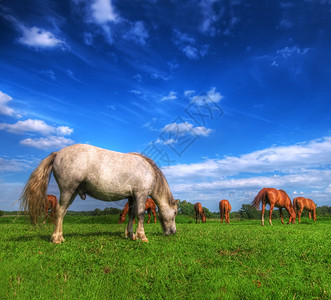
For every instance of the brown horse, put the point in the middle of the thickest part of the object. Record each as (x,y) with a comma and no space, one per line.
(301,203)
(150,207)
(199,213)
(50,204)
(225,208)
(277,198)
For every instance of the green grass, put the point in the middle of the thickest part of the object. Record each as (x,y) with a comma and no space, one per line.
(242,260)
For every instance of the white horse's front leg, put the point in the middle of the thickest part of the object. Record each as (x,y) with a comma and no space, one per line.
(140,233)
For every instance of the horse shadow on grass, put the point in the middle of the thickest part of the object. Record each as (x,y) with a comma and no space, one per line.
(47,237)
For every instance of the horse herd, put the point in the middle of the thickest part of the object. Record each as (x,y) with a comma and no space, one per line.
(271,196)
(111,176)
(225,208)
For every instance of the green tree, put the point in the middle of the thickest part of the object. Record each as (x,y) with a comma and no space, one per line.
(97,212)
(185,208)
(247,211)
(208,213)
(111,211)
(323,210)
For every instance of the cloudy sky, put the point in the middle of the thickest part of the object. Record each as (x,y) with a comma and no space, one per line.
(227,97)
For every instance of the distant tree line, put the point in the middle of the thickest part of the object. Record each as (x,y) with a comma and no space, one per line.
(246,211)
(96,212)
(106,211)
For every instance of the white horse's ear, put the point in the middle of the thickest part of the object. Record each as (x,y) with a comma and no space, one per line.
(176,201)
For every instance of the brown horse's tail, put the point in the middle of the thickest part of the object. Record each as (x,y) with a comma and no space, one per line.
(259,197)
(222,209)
(34,195)
(295,205)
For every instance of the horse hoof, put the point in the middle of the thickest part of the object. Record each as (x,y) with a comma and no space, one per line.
(57,240)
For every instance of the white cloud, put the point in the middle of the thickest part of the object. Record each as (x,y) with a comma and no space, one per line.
(302,166)
(191,52)
(103,14)
(291,181)
(49,73)
(38,37)
(103,11)
(36,126)
(137,33)
(88,38)
(209,17)
(166,142)
(201,131)
(160,75)
(52,142)
(283,56)
(288,159)
(138,77)
(212,96)
(16,165)
(189,93)
(171,96)
(184,38)
(4,108)
(287,52)
(63,130)
(34,36)
(216,19)
(189,46)
(185,128)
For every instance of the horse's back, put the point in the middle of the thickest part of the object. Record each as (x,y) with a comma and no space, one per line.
(225,204)
(305,202)
(150,203)
(51,198)
(103,174)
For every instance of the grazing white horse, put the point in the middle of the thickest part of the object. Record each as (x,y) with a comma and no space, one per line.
(105,175)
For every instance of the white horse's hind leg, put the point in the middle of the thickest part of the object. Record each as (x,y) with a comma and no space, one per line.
(57,236)
(129,229)
(61,210)
(141,202)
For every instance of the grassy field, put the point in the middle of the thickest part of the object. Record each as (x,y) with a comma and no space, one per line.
(242,260)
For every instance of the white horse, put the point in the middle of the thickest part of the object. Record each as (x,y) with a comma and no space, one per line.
(104,175)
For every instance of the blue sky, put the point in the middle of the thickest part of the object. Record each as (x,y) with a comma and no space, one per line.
(227,97)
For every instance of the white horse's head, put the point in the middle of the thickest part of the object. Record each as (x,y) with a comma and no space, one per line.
(167,218)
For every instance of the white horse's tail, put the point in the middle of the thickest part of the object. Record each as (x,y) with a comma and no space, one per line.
(34,195)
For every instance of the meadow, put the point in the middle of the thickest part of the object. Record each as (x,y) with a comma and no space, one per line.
(240,260)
